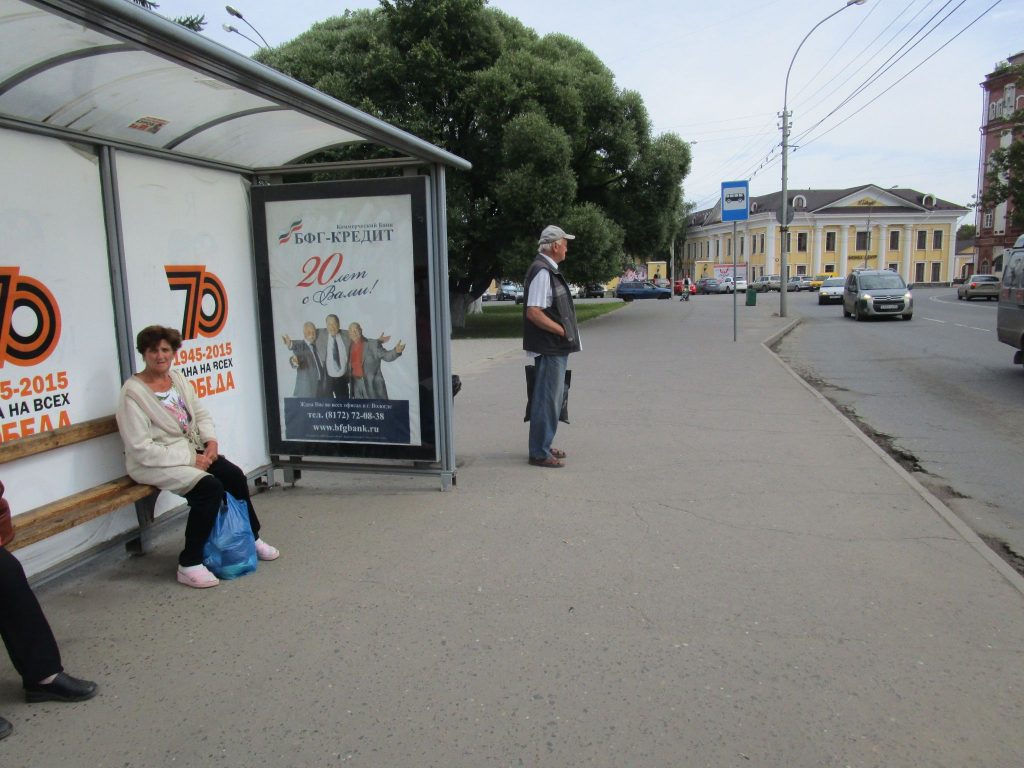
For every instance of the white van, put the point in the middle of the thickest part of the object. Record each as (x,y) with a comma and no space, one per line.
(1010,319)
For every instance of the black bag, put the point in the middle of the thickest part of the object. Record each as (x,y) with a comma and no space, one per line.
(531,371)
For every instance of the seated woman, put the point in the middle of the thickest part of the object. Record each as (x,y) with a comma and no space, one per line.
(170,443)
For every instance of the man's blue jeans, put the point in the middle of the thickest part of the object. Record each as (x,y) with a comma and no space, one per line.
(548,386)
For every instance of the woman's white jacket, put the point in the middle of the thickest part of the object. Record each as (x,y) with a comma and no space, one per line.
(155,449)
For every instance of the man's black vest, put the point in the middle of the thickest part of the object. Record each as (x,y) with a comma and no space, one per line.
(536,339)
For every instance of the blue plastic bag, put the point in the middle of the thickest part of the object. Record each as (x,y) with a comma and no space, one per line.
(230,551)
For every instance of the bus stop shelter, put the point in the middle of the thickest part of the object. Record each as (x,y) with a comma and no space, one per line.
(144,172)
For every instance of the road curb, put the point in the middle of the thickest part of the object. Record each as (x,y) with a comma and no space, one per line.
(949,516)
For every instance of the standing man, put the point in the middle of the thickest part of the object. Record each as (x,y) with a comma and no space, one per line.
(310,374)
(336,344)
(550,334)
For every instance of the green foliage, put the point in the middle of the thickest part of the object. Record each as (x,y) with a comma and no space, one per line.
(966,232)
(1004,176)
(506,322)
(194,22)
(551,137)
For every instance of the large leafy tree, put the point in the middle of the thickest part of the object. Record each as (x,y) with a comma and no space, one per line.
(551,137)
(195,22)
(1004,176)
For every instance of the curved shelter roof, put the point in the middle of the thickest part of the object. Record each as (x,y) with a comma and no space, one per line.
(113,72)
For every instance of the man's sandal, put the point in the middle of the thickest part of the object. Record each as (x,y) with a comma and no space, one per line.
(550,461)
(558,453)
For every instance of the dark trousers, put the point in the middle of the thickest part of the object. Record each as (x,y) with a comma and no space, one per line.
(204,503)
(337,387)
(25,631)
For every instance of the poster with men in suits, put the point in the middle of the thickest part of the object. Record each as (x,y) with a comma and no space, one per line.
(342,329)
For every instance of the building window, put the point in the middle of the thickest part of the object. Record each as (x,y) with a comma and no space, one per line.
(799,202)
(937,240)
(936,271)
(919,272)
(801,242)
(760,243)
(922,240)
(863,241)
(743,245)
(893,267)
(986,220)
(894,240)
(830,268)
(789,242)
(830,242)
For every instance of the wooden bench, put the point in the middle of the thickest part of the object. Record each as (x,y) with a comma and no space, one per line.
(57,516)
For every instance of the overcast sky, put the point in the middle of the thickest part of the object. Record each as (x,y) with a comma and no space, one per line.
(713,72)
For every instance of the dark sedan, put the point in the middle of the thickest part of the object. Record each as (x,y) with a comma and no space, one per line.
(641,289)
(707,285)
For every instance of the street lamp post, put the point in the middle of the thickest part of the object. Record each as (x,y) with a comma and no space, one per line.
(238,15)
(784,211)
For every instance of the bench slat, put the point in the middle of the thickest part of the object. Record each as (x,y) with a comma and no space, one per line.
(47,441)
(50,519)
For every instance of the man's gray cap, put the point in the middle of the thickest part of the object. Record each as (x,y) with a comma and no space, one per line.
(553,234)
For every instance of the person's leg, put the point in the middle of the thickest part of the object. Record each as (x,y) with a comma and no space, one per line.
(548,384)
(25,630)
(204,502)
(235,482)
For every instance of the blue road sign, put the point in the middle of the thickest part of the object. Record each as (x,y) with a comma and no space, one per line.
(735,200)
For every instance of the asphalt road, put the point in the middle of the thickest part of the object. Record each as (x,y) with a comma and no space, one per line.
(941,392)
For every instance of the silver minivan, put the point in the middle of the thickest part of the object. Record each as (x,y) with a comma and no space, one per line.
(1010,317)
(876,293)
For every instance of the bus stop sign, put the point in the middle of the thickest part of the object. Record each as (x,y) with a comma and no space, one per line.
(735,200)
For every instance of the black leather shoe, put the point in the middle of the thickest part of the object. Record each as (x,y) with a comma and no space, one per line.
(6,729)
(63,688)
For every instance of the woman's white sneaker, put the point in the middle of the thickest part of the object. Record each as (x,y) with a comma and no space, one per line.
(266,552)
(196,576)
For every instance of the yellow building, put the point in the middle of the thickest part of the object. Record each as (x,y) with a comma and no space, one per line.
(833,230)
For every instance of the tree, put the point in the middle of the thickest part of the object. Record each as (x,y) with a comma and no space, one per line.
(551,137)
(1004,177)
(966,232)
(193,22)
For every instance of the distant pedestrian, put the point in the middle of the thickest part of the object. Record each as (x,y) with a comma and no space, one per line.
(550,334)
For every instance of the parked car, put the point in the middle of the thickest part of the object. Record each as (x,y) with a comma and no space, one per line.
(507,290)
(766,283)
(662,282)
(641,289)
(793,284)
(831,291)
(575,290)
(726,285)
(978,286)
(519,294)
(818,280)
(1010,315)
(877,292)
(707,285)
(804,282)
(595,291)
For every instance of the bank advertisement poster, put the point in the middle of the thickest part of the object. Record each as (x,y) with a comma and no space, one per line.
(344,313)
(188,264)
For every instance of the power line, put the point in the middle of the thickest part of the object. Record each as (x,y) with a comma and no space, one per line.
(886,65)
(897,82)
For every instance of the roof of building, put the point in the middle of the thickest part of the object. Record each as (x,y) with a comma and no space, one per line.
(819,201)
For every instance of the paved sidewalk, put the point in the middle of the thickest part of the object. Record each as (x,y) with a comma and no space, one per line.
(725,574)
